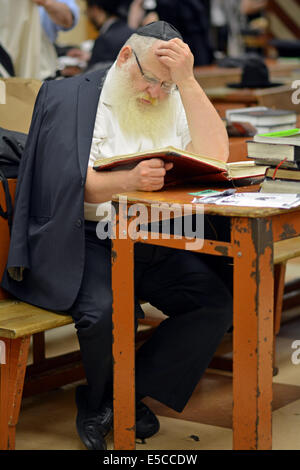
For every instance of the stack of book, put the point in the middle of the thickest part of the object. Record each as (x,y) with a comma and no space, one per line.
(281,151)
(264,119)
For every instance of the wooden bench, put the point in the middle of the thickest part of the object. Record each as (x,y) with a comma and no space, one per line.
(18,323)
(286,295)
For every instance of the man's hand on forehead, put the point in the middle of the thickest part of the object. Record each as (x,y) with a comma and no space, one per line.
(177,57)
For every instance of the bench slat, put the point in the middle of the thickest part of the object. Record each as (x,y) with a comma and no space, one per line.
(286,249)
(19,319)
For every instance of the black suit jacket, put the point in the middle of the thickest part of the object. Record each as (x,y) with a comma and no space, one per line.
(108,45)
(48,227)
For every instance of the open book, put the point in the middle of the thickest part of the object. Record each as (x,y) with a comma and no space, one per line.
(186,166)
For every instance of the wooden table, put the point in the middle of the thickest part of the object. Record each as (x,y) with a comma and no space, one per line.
(214,80)
(215,76)
(279,97)
(253,233)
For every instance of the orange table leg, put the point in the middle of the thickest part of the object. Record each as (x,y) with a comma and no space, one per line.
(12,375)
(252,333)
(123,343)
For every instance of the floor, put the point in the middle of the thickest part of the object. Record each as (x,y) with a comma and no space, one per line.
(47,421)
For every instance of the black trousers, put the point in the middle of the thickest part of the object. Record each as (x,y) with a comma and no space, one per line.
(186,287)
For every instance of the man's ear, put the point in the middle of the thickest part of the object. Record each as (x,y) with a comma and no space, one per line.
(124,55)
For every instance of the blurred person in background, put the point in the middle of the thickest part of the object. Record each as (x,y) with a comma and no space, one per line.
(24,39)
(190,17)
(228,19)
(253,7)
(6,65)
(57,15)
(141,12)
(109,18)
(114,31)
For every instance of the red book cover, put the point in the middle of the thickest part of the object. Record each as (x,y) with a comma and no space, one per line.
(186,166)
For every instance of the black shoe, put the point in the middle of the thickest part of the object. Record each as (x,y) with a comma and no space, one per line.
(147,423)
(92,427)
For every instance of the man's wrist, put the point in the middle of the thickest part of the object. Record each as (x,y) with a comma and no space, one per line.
(187,83)
(127,183)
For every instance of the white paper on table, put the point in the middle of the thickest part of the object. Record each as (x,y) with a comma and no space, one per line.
(281,201)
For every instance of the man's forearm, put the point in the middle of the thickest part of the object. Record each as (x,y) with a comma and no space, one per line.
(100,186)
(59,12)
(208,133)
(147,175)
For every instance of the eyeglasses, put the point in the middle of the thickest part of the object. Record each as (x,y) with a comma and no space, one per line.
(165,86)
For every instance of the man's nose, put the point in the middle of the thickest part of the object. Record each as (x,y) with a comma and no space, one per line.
(154,90)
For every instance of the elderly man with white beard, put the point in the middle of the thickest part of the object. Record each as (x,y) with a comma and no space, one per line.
(149,98)
(153,99)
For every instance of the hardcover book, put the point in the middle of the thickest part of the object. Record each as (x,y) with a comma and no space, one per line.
(266,117)
(273,154)
(283,174)
(280,186)
(276,147)
(287,137)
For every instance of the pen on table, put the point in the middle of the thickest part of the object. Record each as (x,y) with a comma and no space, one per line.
(209,198)
(227,192)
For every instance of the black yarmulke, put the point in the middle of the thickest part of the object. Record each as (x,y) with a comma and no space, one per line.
(160,30)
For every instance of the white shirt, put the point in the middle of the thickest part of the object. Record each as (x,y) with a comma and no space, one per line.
(109,140)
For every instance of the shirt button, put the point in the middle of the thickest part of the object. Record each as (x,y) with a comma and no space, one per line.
(79,223)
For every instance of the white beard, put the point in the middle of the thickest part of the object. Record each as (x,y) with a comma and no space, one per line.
(154,121)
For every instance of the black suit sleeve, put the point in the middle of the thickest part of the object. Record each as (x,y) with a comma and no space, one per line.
(18,251)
